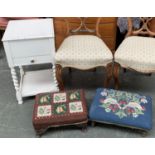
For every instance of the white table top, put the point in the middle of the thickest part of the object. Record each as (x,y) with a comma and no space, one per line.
(29,29)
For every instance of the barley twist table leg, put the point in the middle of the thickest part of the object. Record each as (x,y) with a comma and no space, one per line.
(54,76)
(16,85)
(21,70)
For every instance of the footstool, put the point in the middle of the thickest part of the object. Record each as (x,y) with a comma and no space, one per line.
(59,109)
(122,108)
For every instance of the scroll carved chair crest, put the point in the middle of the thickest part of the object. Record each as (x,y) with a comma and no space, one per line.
(82,27)
(144,27)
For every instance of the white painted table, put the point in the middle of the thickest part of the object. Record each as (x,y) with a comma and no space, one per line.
(31,42)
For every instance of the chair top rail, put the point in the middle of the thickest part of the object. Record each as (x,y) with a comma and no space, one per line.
(82,27)
(144,27)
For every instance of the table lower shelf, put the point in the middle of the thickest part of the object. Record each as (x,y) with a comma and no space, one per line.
(35,82)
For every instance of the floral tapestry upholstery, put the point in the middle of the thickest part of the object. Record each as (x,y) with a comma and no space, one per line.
(59,108)
(83,52)
(137,53)
(122,108)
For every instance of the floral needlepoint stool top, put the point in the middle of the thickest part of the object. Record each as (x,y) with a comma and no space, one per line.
(58,109)
(122,108)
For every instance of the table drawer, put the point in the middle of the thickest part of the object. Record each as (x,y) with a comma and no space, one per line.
(32,47)
(33,60)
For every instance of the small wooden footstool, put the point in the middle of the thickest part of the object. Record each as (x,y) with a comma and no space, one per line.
(122,108)
(59,109)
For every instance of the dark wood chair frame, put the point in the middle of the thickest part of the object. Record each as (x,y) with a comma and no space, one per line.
(2,29)
(81,30)
(144,30)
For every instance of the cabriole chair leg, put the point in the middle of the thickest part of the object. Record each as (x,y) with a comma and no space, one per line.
(109,73)
(59,77)
(116,71)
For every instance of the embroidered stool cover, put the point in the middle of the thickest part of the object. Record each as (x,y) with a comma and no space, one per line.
(122,108)
(59,109)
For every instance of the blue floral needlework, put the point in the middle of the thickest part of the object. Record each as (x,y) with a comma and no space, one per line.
(122,104)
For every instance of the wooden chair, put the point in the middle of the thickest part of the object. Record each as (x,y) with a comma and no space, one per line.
(82,49)
(3,24)
(137,51)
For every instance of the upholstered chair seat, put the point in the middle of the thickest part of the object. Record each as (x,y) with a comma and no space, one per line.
(137,53)
(83,52)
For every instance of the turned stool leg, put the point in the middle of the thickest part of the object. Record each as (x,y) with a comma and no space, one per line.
(144,133)
(93,124)
(40,132)
(116,74)
(84,127)
(59,77)
(109,74)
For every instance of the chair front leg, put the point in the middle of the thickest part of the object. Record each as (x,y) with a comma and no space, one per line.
(124,69)
(116,72)
(109,74)
(70,70)
(59,77)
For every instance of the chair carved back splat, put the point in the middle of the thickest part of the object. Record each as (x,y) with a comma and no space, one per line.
(82,27)
(144,27)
